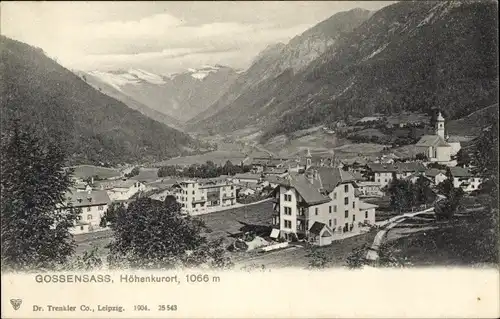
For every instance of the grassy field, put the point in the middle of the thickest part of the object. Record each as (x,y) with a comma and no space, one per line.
(232,221)
(464,241)
(337,253)
(222,224)
(85,171)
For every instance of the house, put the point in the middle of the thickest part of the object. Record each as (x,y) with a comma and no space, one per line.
(322,194)
(367,211)
(435,147)
(320,234)
(437,175)
(415,176)
(246,191)
(246,178)
(465,179)
(160,196)
(121,190)
(204,196)
(369,189)
(279,172)
(93,205)
(384,173)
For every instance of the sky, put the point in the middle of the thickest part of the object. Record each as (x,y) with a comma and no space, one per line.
(162,37)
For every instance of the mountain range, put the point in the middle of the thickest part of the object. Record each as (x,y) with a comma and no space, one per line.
(406,56)
(172,99)
(60,107)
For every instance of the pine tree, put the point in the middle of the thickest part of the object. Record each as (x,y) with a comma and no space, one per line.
(34,231)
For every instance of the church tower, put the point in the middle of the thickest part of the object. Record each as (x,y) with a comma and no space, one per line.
(440,125)
(308,159)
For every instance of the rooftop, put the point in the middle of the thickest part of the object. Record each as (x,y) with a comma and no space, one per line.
(397,167)
(461,172)
(91,198)
(365,205)
(432,140)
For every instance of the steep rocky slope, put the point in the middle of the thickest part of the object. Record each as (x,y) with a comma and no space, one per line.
(406,56)
(290,58)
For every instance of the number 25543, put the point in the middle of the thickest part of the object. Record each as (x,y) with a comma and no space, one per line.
(167,307)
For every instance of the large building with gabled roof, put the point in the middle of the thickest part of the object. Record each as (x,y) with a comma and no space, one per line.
(437,147)
(322,196)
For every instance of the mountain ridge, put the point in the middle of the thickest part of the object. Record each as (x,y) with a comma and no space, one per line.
(93,127)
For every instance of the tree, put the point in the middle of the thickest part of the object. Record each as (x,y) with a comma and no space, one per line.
(153,234)
(463,158)
(111,213)
(421,157)
(317,258)
(34,230)
(134,172)
(401,194)
(422,191)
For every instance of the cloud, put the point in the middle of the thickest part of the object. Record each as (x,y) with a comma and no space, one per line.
(161,35)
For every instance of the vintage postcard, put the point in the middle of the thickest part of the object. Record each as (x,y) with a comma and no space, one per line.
(249,159)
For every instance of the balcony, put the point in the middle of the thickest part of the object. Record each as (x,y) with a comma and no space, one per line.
(201,200)
(228,196)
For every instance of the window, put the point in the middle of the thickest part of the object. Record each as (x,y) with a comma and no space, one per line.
(353,204)
(78,217)
(334,208)
(378,180)
(288,223)
(330,223)
(353,217)
(335,222)
(334,195)
(316,210)
(330,209)
(288,210)
(385,180)
(101,207)
(88,209)
(366,214)
(193,192)
(346,200)
(346,214)
(346,188)
(89,216)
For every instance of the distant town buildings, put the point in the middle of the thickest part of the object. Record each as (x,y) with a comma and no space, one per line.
(121,190)
(384,173)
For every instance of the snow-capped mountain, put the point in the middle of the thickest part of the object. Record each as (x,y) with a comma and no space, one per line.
(180,96)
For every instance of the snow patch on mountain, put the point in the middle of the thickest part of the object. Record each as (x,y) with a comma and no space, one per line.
(147,76)
(118,79)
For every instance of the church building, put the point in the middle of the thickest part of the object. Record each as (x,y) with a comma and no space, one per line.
(437,147)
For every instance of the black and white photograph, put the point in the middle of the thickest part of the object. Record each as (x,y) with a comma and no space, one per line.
(256,137)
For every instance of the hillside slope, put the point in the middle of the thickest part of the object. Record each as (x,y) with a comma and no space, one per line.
(406,56)
(290,58)
(115,93)
(91,126)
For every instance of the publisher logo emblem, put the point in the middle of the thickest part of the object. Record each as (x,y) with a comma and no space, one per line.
(16,303)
